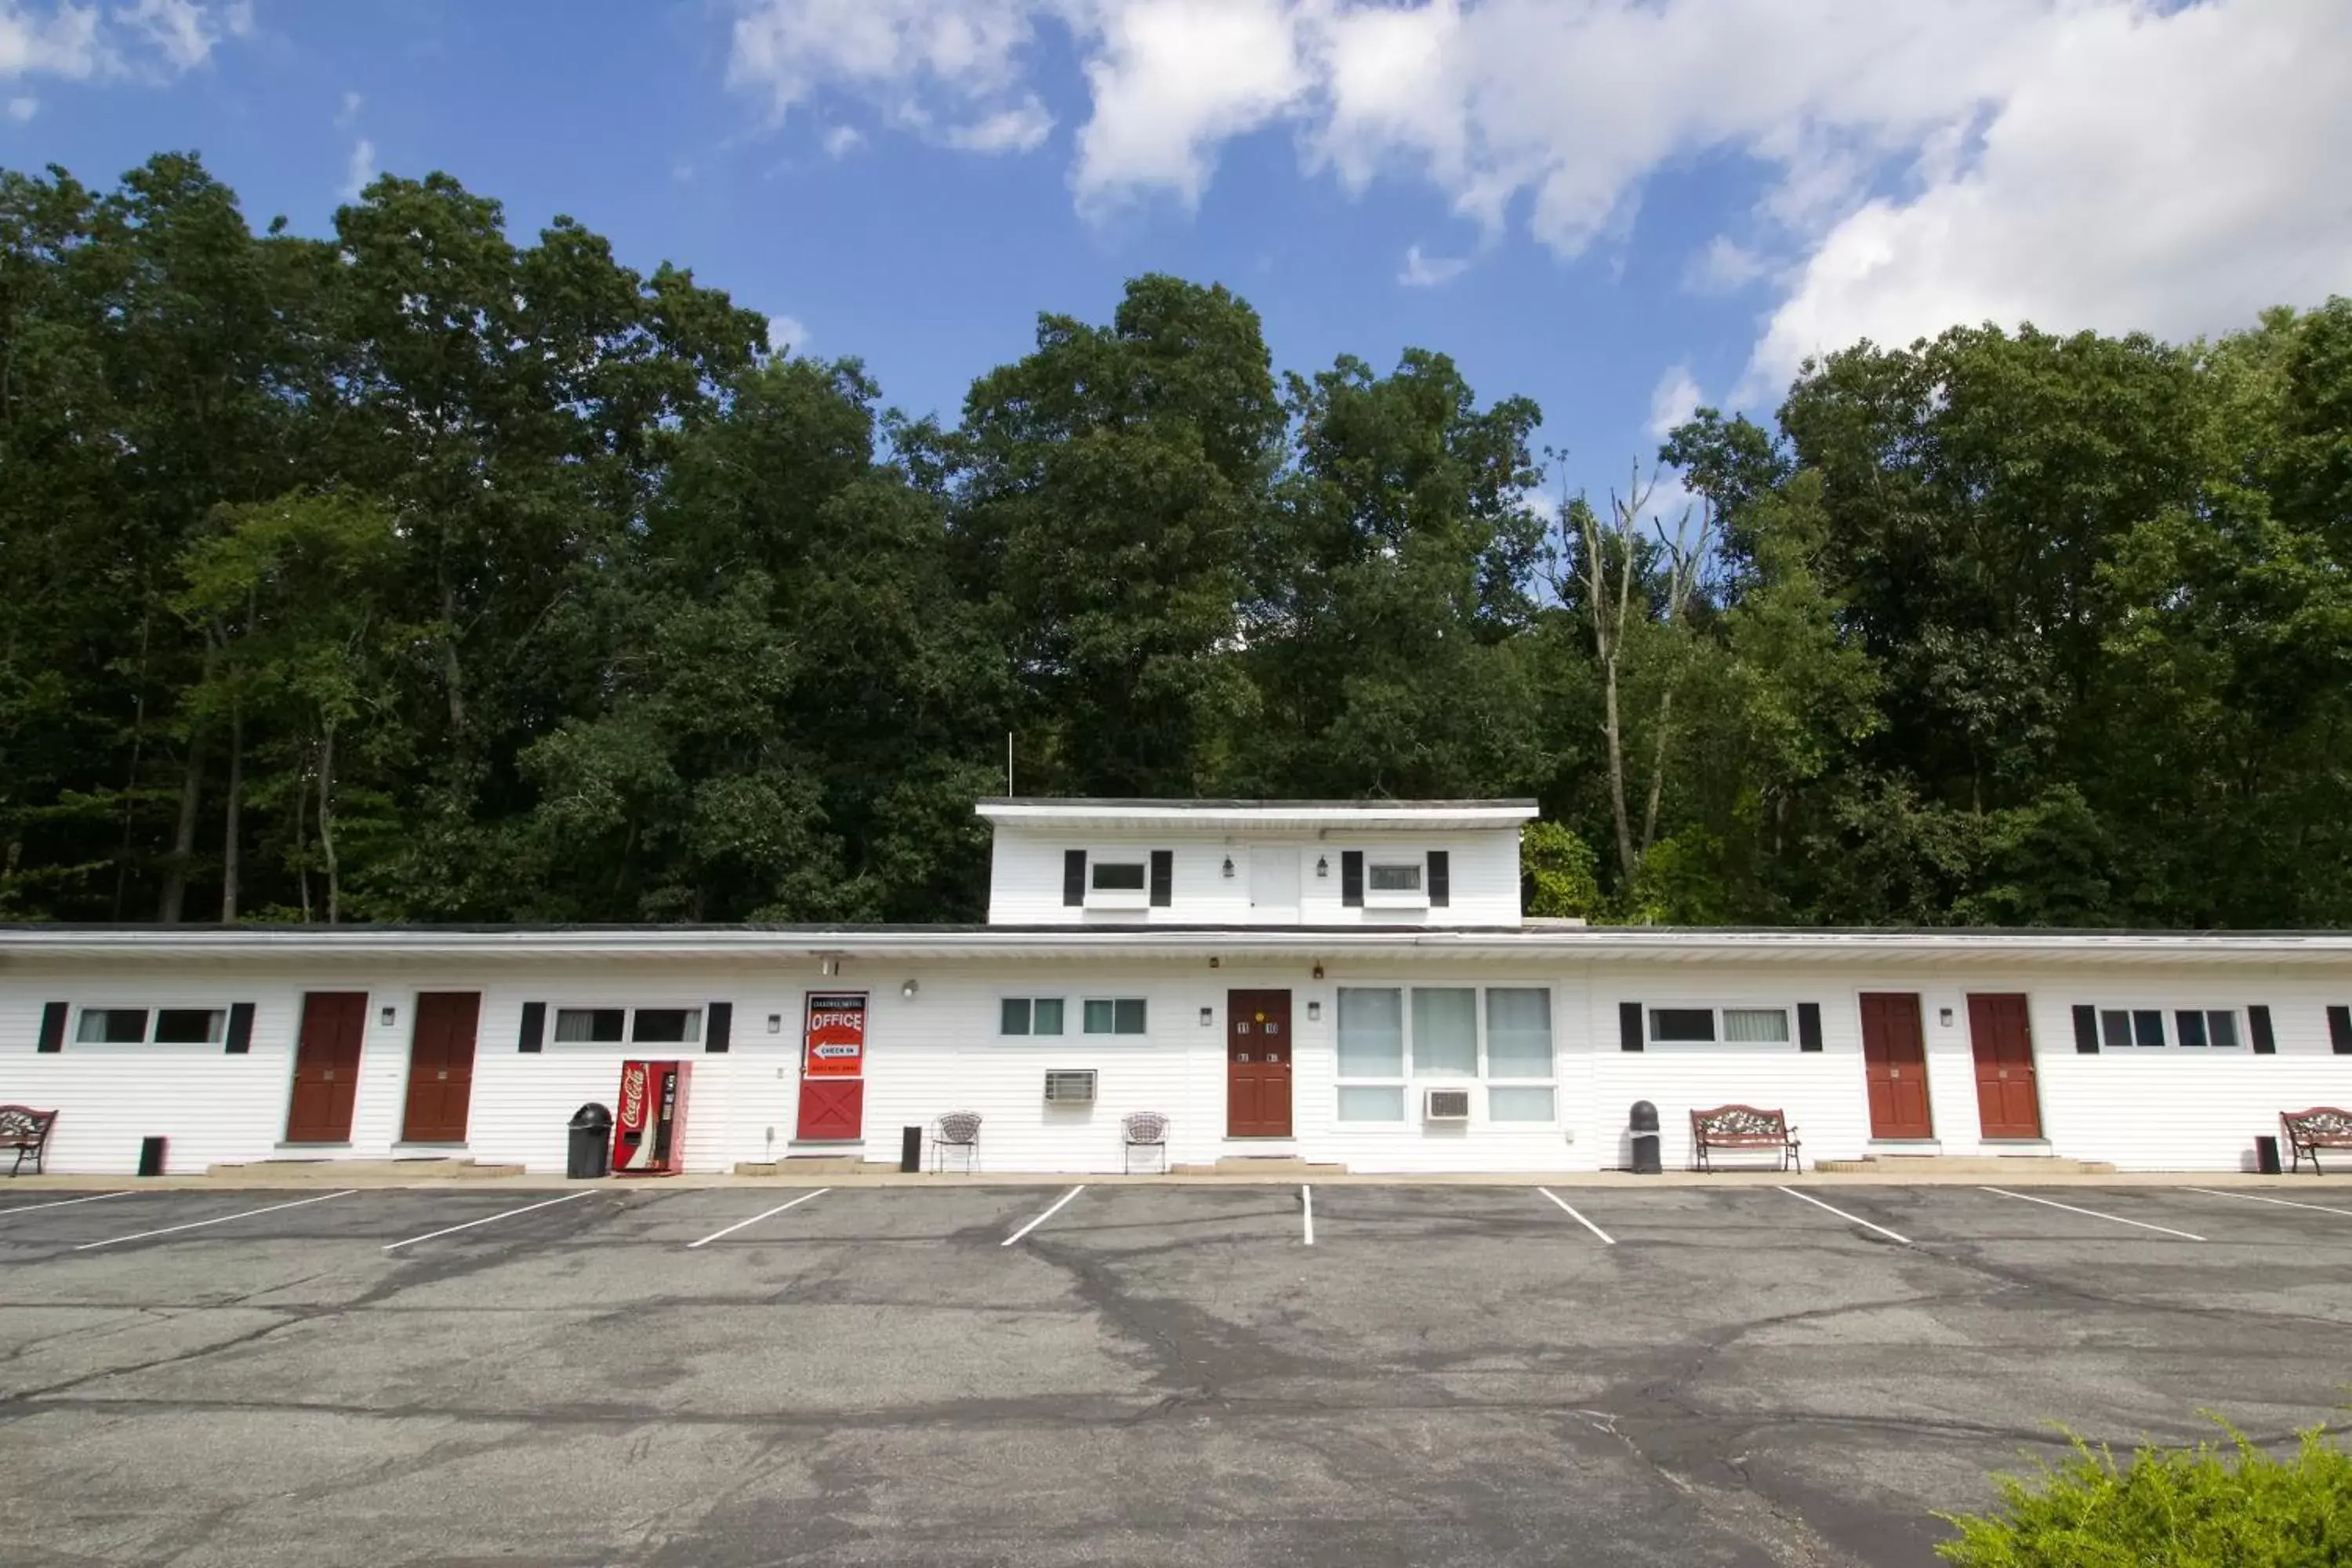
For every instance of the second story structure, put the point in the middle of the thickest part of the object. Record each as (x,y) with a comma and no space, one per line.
(1448,864)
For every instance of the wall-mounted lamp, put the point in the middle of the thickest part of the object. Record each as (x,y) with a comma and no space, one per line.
(388,1014)
(1208,1016)
(1322,866)
(775,1023)
(1229,867)
(1314,1011)
(909,990)
(1214,962)
(1943,1016)
(1318,972)
(828,966)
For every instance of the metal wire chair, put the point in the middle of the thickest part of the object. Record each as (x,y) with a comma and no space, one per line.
(958,1130)
(1144,1130)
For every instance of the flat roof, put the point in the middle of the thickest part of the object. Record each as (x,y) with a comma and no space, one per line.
(1275,815)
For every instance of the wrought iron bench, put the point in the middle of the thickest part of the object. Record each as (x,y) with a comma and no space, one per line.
(1144,1130)
(2309,1132)
(1744,1127)
(27,1130)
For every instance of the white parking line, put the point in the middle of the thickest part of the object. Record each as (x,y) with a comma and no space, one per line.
(59,1204)
(756,1219)
(1307,1208)
(2094,1214)
(1856,1218)
(1578,1218)
(2253,1198)
(1042,1218)
(217,1219)
(486,1219)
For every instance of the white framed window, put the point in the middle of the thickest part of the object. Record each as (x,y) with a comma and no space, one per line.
(1729,1025)
(111,1026)
(159,1026)
(191,1026)
(1114,1016)
(1118,876)
(1031,1015)
(1392,1046)
(1395,881)
(638,1026)
(2148,1029)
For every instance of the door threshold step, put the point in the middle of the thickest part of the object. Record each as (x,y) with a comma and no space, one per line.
(327,1168)
(813,1165)
(1262,1165)
(1903,1166)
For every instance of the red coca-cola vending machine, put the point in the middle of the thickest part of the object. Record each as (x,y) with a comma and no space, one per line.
(649,1129)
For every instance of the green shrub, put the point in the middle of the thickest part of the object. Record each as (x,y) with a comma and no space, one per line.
(2230,1506)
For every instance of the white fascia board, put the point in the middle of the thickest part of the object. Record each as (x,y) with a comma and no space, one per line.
(1437,817)
(1586,943)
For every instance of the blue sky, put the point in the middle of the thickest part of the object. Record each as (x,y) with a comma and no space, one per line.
(1618,207)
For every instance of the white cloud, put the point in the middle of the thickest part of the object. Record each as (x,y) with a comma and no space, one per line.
(1428,271)
(81,41)
(1017,130)
(350,112)
(2172,164)
(841,141)
(360,169)
(1673,400)
(22,109)
(1725,267)
(786,335)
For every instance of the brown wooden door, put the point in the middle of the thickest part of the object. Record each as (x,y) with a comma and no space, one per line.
(1894,1063)
(2007,1104)
(1257,1064)
(441,1066)
(326,1067)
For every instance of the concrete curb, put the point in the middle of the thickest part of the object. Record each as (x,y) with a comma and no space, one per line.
(323,1174)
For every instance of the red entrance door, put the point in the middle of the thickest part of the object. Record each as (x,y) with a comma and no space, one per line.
(1895,1062)
(326,1067)
(1257,1064)
(441,1066)
(833,1110)
(2007,1104)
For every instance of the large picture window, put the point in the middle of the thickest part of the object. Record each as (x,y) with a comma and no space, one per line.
(1392,1043)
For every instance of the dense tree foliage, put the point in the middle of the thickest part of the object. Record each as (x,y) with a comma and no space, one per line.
(415,573)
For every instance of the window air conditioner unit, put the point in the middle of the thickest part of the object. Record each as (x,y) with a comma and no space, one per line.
(1070,1085)
(1445,1105)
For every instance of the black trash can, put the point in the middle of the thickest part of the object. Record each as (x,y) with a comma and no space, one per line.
(2266,1158)
(591,1144)
(1644,1125)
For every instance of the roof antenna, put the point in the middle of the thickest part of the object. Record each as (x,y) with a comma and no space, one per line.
(1008,764)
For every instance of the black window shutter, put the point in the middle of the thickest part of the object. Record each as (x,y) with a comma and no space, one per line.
(1809,1025)
(1163,877)
(1629,1025)
(53,1027)
(2339,1030)
(1074,878)
(535,1026)
(1351,878)
(1441,879)
(2086,1031)
(240,1028)
(718,1027)
(2258,1023)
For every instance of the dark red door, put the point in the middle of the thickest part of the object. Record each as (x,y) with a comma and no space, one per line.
(833,1110)
(1257,1064)
(1895,1061)
(326,1067)
(2007,1104)
(441,1066)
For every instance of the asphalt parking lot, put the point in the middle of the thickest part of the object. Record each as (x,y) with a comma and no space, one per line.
(1357,1375)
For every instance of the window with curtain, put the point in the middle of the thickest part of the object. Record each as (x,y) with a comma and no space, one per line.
(1756,1024)
(1371,1046)
(1518,1033)
(1445,1031)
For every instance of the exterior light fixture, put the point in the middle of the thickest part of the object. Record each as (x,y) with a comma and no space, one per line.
(1943,1016)
(388,1016)
(1322,866)
(1214,962)
(1314,1011)
(775,1023)
(909,990)
(1229,867)
(1208,1016)
(1318,972)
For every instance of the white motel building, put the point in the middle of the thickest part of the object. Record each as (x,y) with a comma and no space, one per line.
(1349,983)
